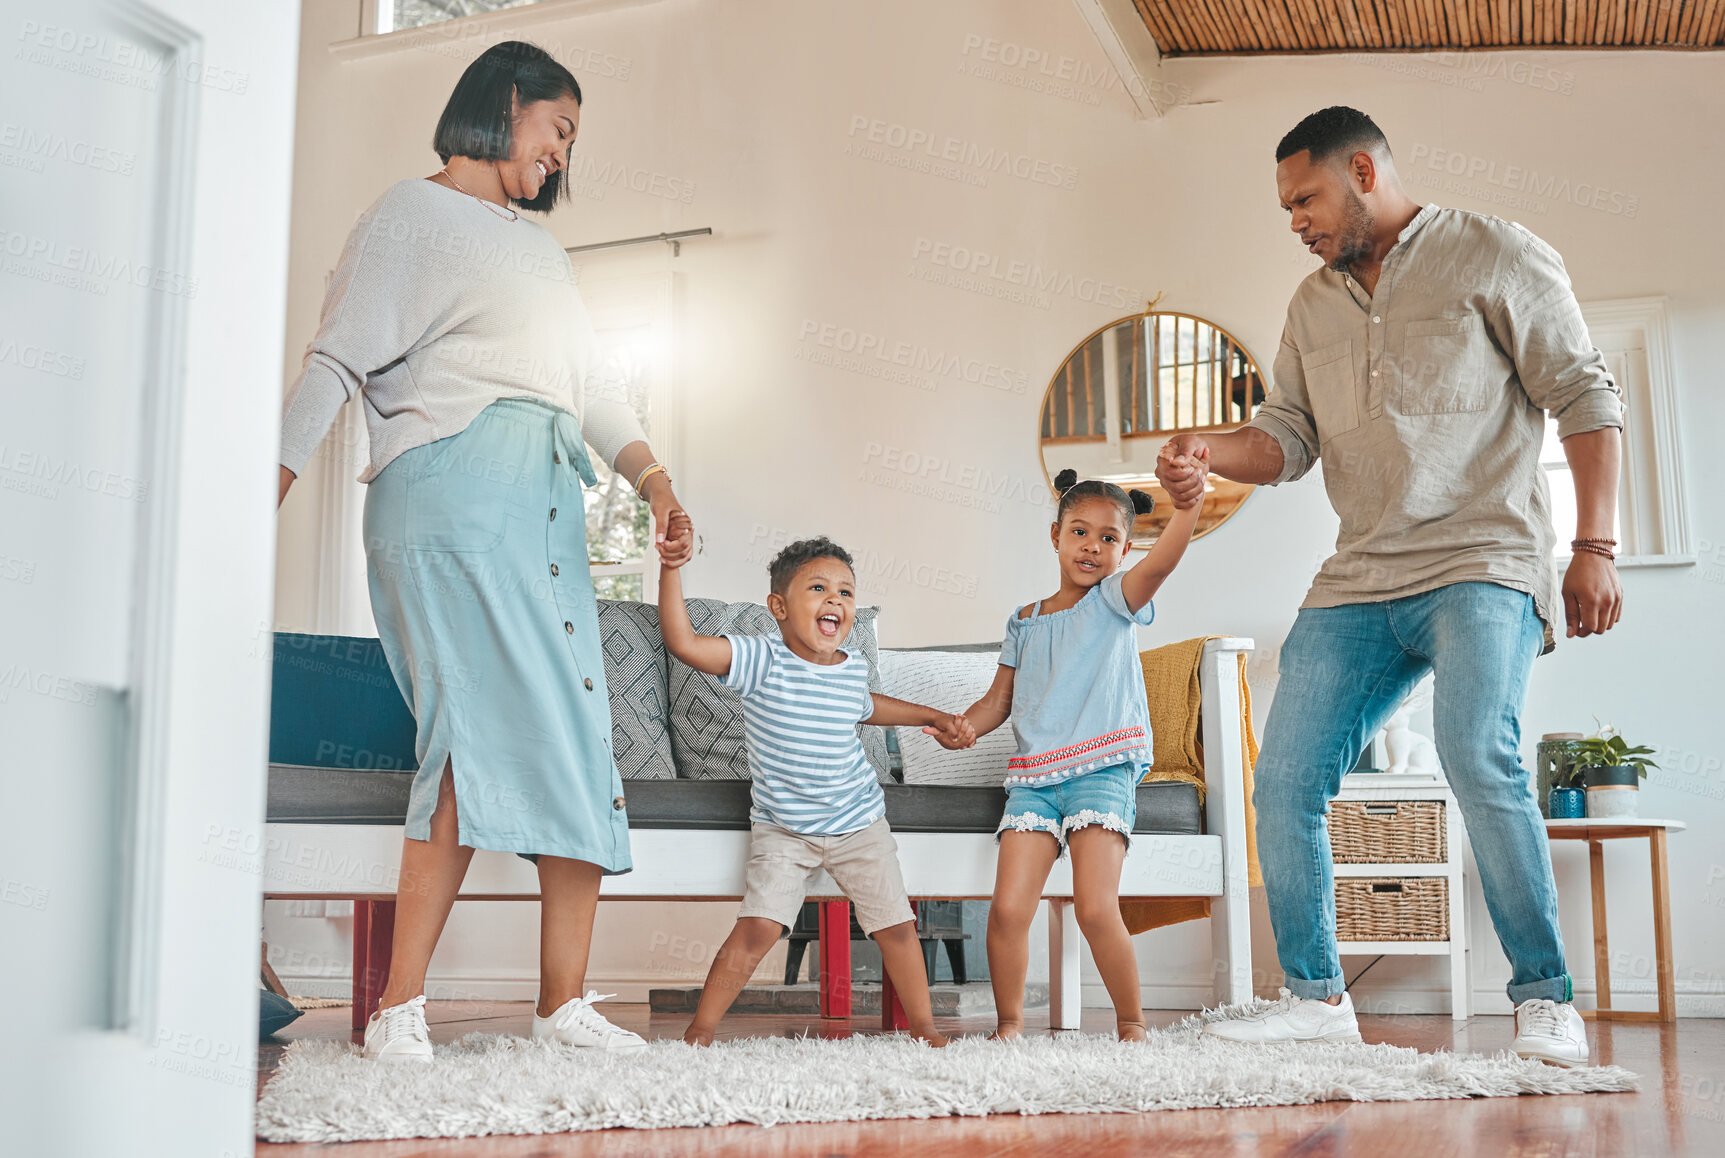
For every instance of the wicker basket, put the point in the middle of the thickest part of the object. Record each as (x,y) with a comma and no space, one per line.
(1387,832)
(1392,909)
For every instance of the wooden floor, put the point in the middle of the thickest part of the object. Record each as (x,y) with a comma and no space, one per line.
(1680,1109)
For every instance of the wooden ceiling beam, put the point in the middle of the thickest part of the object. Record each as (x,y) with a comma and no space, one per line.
(1158,22)
(1662,24)
(1346,19)
(1710,23)
(1264,17)
(1684,33)
(1225,17)
(1390,19)
(1183,28)
(1268,26)
(1294,22)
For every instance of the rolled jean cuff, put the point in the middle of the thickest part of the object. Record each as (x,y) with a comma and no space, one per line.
(1548,989)
(1328,987)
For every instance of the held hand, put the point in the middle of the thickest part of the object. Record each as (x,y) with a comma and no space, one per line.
(673,532)
(1592,595)
(1181,465)
(953,732)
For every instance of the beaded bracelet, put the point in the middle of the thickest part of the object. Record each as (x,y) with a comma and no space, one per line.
(1590,547)
(1600,542)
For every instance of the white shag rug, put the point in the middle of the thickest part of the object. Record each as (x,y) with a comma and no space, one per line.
(488,1084)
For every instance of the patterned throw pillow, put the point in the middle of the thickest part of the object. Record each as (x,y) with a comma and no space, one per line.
(635,676)
(707,717)
(951,682)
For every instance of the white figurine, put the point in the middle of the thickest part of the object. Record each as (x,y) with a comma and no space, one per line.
(1405,750)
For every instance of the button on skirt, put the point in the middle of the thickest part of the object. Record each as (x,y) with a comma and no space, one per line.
(476,554)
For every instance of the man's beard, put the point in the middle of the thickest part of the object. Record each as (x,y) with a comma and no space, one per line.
(1356,239)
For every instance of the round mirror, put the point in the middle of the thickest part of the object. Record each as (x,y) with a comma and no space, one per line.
(1133,384)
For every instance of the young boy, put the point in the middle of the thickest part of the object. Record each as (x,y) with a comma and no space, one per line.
(817,803)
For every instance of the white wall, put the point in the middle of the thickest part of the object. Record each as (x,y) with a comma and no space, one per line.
(829,241)
(144,169)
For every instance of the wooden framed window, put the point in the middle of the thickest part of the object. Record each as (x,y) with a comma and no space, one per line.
(379,17)
(1652,521)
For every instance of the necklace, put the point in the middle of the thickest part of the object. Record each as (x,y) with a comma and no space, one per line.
(502,211)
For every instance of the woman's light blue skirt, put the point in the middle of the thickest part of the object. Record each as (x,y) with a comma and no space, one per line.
(476,551)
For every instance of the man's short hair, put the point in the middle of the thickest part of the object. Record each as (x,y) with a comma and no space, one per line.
(1332,131)
(785,566)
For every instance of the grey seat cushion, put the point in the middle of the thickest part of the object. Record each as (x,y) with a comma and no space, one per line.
(707,717)
(343,796)
(301,795)
(636,676)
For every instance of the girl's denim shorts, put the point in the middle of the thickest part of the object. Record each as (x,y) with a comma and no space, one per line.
(1107,796)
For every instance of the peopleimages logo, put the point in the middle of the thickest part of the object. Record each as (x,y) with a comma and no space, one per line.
(588,176)
(978,269)
(105,58)
(1521,180)
(1066,77)
(92,268)
(39,144)
(916,358)
(937,147)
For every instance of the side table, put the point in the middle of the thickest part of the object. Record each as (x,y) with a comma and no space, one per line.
(1594,832)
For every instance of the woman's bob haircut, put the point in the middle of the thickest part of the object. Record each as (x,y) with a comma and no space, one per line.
(477,121)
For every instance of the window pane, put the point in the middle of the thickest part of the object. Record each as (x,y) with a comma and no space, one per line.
(1561,480)
(618,587)
(1552,449)
(620,525)
(1562,484)
(419,13)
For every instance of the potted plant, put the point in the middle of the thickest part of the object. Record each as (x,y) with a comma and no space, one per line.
(1552,765)
(1611,771)
(1567,800)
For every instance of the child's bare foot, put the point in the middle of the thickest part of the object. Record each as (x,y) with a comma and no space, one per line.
(1131,1031)
(930,1034)
(694,1036)
(1007,1031)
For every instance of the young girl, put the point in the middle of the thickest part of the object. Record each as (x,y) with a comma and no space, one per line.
(1069,674)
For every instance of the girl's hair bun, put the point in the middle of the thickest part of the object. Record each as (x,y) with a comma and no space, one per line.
(1066,480)
(1142,503)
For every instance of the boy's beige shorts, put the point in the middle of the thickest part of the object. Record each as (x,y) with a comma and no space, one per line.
(864,864)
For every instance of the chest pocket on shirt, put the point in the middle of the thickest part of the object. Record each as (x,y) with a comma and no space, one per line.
(1329,372)
(1442,367)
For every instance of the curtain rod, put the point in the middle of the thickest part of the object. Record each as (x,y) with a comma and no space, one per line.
(675,240)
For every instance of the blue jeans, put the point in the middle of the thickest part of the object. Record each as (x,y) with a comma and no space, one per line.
(1344,671)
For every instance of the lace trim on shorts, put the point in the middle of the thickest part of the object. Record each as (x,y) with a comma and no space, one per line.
(1084,818)
(1029,822)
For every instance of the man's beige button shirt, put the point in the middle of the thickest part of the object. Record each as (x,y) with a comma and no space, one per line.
(1426,402)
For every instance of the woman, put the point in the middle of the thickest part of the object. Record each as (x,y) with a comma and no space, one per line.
(458,322)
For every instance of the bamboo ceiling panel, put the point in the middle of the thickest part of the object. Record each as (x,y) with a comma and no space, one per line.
(1191,27)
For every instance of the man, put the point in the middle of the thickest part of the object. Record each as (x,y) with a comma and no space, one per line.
(1419,364)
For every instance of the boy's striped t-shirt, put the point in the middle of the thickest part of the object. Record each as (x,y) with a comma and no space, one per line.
(800,720)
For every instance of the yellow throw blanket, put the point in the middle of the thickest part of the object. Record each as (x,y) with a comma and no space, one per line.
(1172,688)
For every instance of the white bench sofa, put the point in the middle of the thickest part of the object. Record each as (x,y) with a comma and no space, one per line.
(337,833)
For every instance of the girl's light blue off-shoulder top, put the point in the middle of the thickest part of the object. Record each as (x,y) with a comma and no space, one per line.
(1078,689)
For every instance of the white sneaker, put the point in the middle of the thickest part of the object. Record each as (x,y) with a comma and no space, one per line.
(398,1033)
(1291,1018)
(1551,1032)
(577,1023)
